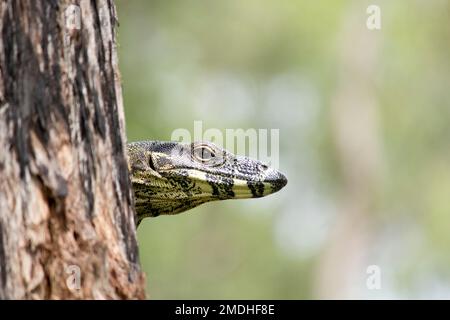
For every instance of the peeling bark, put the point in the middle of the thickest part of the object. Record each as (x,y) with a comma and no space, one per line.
(66,205)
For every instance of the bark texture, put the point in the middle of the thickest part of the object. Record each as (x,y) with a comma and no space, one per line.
(66,207)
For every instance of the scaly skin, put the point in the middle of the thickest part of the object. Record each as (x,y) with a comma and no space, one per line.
(172,177)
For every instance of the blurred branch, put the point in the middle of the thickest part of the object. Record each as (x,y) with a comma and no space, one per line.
(356,140)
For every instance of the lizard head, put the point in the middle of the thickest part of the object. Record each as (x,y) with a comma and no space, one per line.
(172,177)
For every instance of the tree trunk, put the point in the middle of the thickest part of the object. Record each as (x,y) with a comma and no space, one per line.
(67,225)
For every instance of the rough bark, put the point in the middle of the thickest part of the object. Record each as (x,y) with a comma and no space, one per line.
(66,209)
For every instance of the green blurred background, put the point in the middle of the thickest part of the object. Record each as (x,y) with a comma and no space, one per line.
(364,120)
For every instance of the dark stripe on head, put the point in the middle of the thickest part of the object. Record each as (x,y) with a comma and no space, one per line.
(256,187)
(222,186)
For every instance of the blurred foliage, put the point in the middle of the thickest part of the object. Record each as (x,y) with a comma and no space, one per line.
(274,64)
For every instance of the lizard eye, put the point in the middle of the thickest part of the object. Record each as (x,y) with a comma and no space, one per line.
(203,153)
(209,155)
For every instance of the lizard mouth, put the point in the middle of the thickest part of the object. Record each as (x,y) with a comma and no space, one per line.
(221,186)
(271,182)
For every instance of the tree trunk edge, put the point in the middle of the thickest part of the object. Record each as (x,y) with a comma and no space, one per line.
(67,226)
